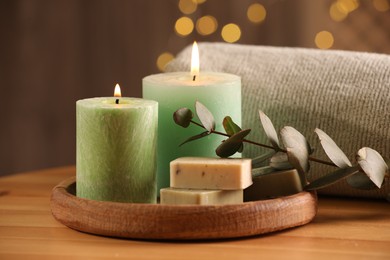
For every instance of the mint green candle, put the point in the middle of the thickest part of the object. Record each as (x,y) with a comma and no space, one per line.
(219,92)
(116,149)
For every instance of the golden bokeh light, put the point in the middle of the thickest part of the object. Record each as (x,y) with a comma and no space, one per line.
(231,33)
(206,25)
(184,26)
(163,60)
(187,6)
(381,5)
(348,5)
(256,13)
(338,12)
(199,1)
(324,40)
(340,9)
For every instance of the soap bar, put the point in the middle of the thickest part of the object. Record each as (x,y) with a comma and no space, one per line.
(272,185)
(211,173)
(200,197)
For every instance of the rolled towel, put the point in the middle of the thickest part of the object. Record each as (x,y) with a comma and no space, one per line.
(344,93)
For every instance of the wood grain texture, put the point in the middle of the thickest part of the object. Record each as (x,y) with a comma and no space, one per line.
(154,221)
(343,229)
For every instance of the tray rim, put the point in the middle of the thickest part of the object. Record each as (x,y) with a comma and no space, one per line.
(180,222)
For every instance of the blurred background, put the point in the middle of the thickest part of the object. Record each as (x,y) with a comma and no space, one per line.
(54,52)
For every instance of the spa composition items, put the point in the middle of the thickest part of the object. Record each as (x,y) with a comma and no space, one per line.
(220,92)
(116,149)
(207,181)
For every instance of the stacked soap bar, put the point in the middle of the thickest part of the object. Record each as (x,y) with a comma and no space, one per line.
(200,197)
(207,181)
(277,184)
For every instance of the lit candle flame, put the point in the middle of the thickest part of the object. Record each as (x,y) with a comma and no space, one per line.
(117,91)
(195,61)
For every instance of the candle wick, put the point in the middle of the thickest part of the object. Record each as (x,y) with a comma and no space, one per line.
(193,79)
(117,101)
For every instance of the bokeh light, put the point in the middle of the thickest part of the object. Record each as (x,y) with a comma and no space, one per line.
(340,9)
(338,12)
(187,6)
(324,40)
(184,26)
(206,25)
(199,1)
(256,13)
(381,5)
(163,60)
(348,5)
(231,33)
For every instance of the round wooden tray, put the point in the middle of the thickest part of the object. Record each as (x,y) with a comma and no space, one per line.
(155,221)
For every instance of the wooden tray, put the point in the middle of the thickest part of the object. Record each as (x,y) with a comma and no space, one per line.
(155,221)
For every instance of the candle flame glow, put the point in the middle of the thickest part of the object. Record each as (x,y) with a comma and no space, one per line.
(195,61)
(117,91)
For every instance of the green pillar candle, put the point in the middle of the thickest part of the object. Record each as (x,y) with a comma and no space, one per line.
(116,149)
(219,92)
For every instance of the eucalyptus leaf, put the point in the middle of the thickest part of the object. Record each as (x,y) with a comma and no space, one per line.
(361,181)
(231,145)
(373,165)
(183,117)
(280,162)
(297,147)
(259,160)
(205,116)
(298,164)
(269,130)
(241,148)
(195,137)
(262,171)
(331,178)
(335,154)
(230,127)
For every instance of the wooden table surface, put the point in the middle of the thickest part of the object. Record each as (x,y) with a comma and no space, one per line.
(342,229)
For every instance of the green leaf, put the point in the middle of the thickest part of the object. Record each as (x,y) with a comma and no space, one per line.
(231,145)
(241,148)
(230,127)
(297,147)
(183,117)
(280,162)
(335,154)
(269,130)
(331,178)
(298,164)
(373,165)
(262,171)
(259,160)
(205,116)
(195,137)
(361,181)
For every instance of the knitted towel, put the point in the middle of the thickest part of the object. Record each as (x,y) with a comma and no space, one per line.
(344,93)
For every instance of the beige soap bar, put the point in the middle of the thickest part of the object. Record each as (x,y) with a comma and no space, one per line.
(211,173)
(174,196)
(277,184)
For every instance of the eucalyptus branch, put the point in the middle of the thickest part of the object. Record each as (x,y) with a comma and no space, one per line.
(264,145)
(369,172)
(244,140)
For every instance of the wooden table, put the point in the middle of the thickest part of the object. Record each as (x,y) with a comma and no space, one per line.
(343,229)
